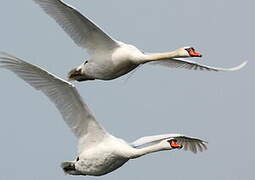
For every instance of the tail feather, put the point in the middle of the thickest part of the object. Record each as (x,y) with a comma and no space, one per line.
(69,168)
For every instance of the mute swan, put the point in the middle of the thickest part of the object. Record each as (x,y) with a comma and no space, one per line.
(110,58)
(98,151)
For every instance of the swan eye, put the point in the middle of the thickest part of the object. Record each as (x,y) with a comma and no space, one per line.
(77,159)
(190,49)
(85,62)
(171,140)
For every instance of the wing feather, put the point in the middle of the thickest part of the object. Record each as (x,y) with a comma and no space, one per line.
(189,143)
(83,31)
(62,93)
(181,63)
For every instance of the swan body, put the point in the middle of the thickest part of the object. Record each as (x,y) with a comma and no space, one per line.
(110,58)
(122,60)
(98,151)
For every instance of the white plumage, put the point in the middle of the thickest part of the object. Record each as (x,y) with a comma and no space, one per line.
(111,58)
(98,151)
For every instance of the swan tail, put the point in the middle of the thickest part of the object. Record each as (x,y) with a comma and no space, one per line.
(69,168)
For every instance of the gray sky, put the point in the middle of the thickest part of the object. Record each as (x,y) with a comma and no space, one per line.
(217,107)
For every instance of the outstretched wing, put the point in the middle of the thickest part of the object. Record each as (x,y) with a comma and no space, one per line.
(189,143)
(82,30)
(181,63)
(62,93)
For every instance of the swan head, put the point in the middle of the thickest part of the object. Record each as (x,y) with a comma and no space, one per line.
(79,74)
(172,144)
(169,144)
(188,52)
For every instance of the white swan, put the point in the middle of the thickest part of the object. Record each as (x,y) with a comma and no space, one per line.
(98,151)
(110,58)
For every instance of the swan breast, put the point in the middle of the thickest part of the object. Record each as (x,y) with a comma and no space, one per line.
(104,157)
(114,64)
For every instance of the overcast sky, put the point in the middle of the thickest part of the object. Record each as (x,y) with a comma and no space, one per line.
(216,107)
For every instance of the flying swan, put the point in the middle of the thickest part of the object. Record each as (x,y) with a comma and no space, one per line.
(99,152)
(109,58)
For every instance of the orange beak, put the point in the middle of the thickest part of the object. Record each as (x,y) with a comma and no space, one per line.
(193,53)
(174,144)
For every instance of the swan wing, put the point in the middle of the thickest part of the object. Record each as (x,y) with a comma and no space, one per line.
(181,63)
(63,94)
(83,31)
(189,143)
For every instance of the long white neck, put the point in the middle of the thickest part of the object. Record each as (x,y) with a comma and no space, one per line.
(160,56)
(146,150)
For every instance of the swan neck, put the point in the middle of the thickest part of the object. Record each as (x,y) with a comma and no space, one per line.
(146,150)
(161,56)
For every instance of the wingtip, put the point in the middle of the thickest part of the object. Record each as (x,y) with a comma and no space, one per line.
(5,54)
(239,66)
(2,53)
